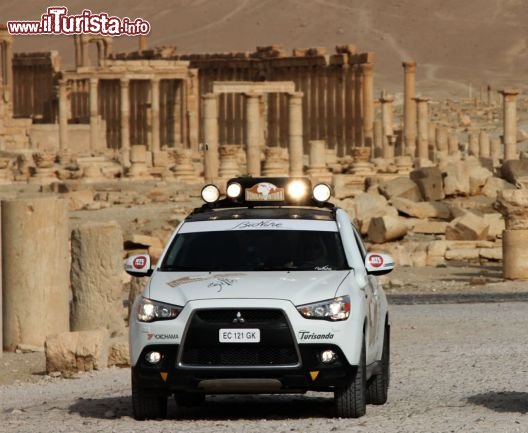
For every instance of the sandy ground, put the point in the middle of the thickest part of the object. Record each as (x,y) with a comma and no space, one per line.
(455,368)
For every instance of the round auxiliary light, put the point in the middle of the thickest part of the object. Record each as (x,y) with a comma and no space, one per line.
(322,192)
(328,356)
(153,357)
(296,189)
(210,193)
(234,190)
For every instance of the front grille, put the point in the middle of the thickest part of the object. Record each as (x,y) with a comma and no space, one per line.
(240,356)
(201,347)
(249,316)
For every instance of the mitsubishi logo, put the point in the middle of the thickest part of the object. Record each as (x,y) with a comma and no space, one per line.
(239,318)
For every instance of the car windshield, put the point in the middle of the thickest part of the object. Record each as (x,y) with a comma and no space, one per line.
(255,250)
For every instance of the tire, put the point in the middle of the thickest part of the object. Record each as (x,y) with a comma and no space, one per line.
(351,401)
(189,399)
(147,405)
(378,385)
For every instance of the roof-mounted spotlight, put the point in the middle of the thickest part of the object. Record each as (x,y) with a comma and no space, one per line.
(296,190)
(210,193)
(234,190)
(322,192)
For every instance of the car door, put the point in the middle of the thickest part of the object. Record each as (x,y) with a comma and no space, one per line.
(373,300)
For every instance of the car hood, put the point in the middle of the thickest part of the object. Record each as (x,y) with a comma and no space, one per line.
(299,287)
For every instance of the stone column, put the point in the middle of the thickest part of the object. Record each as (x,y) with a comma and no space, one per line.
(368,104)
(125,122)
(142,42)
(495,146)
(388,120)
(510,124)
(9,71)
(85,58)
(36,271)
(63,116)
(94,121)
(513,205)
(422,113)
(442,140)
(473,144)
(155,114)
(253,134)
(484,145)
(359,139)
(295,145)
(211,159)
(452,144)
(317,170)
(96,269)
(409,109)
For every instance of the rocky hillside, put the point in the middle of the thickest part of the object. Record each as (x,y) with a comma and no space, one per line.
(455,42)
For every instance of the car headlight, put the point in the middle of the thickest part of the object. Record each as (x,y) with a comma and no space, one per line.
(332,309)
(149,311)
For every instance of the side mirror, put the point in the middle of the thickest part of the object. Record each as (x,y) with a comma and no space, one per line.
(138,266)
(378,263)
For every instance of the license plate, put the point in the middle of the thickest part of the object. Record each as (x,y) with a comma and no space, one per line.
(239,335)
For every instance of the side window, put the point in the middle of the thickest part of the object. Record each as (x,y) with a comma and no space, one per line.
(359,241)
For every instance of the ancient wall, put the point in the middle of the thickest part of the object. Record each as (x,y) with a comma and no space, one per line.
(332,84)
(35,86)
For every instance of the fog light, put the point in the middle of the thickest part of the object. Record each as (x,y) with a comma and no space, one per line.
(328,356)
(153,357)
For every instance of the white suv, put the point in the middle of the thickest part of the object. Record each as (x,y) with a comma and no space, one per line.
(268,290)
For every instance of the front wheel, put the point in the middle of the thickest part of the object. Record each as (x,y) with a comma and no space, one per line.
(146,405)
(378,385)
(351,401)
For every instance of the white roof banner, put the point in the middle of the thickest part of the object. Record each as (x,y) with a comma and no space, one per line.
(258,224)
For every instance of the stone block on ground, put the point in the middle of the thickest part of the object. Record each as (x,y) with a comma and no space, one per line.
(430,183)
(368,206)
(515,171)
(492,254)
(430,227)
(436,253)
(477,178)
(118,353)
(496,225)
(495,184)
(462,254)
(421,209)
(96,269)
(77,351)
(400,187)
(78,200)
(468,227)
(456,179)
(386,228)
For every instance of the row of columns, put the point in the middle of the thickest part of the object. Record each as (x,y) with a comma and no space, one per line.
(416,122)
(253,134)
(124,115)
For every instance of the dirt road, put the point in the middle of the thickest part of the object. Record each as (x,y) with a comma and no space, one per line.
(455,368)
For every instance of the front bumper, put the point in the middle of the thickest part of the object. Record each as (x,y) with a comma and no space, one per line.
(312,374)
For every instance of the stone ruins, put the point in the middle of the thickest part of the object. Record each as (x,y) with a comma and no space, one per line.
(429,181)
